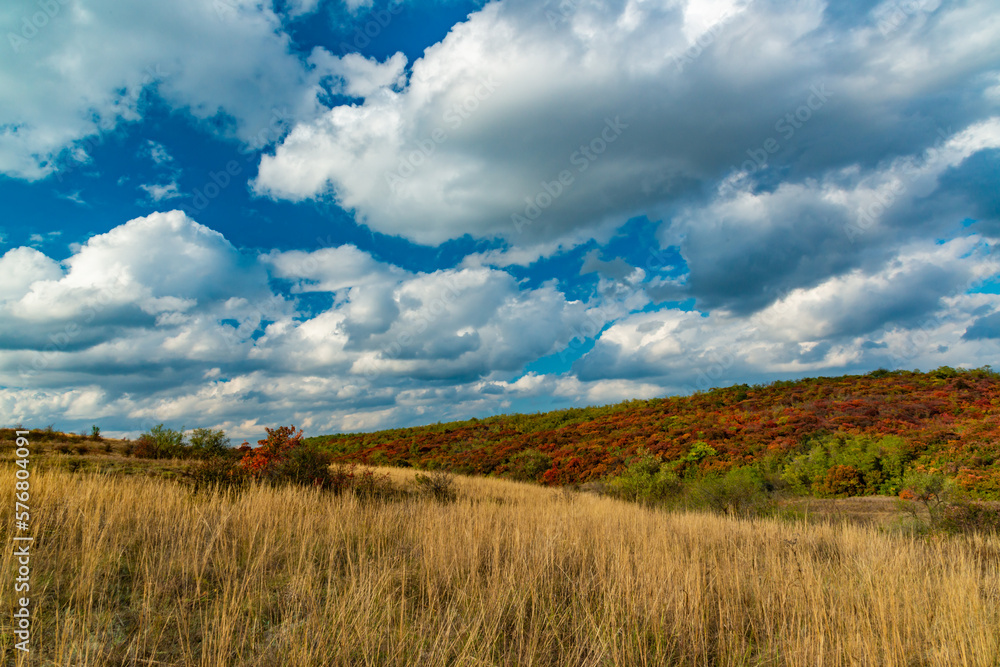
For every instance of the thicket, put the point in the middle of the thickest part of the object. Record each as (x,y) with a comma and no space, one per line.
(831,437)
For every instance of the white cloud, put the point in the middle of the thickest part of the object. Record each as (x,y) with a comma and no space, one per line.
(20,268)
(329,269)
(912,312)
(170,321)
(494,113)
(157,153)
(358,76)
(161,191)
(83,73)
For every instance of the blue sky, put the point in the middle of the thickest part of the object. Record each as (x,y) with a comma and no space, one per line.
(352,215)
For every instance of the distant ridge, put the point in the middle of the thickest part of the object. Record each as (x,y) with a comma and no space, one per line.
(945,420)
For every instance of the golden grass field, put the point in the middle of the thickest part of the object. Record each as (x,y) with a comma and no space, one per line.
(132,570)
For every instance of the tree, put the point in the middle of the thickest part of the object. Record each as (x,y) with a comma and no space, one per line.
(159,442)
(931,489)
(207,442)
(282,457)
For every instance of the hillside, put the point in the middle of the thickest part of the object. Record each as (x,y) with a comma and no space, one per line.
(879,425)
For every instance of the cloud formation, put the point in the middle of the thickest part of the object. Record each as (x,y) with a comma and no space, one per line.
(75,70)
(818,183)
(642,107)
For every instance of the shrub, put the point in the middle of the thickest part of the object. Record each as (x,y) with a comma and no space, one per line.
(646,479)
(95,432)
(881,463)
(930,489)
(439,484)
(965,517)
(82,449)
(841,481)
(158,443)
(206,442)
(738,492)
(270,452)
(283,458)
(219,472)
(305,466)
(528,465)
(370,485)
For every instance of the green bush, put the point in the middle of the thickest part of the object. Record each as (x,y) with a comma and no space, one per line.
(207,443)
(932,490)
(159,442)
(739,492)
(306,466)
(879,462)
(647,479)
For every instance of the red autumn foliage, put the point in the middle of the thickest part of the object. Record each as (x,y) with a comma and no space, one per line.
(945,417)
(271,452)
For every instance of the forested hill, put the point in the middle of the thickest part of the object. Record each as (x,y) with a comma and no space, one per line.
(879,424)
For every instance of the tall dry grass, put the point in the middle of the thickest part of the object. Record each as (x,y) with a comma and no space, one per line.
(133,571)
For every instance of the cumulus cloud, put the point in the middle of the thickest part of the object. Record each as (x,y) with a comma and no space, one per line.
(640,106)
(824,177)
(747,246)
(357,76)
(914,311)
(83,71)
(22,267)
(163,317)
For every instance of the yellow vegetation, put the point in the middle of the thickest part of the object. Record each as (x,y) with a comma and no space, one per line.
(137,571)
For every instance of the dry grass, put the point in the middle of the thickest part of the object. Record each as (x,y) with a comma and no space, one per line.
(138,571)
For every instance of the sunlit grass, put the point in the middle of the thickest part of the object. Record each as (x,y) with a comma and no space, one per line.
(132,570)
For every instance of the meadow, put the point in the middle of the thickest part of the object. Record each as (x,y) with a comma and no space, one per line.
(141,570)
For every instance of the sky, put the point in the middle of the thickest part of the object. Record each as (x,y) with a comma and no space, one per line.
(349,215)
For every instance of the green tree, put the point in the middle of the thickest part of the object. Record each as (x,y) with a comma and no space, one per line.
(207,442)
(159,442)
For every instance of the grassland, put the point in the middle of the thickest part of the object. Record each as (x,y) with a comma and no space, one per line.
(138,570)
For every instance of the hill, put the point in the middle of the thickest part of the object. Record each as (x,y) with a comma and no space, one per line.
(850,435)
